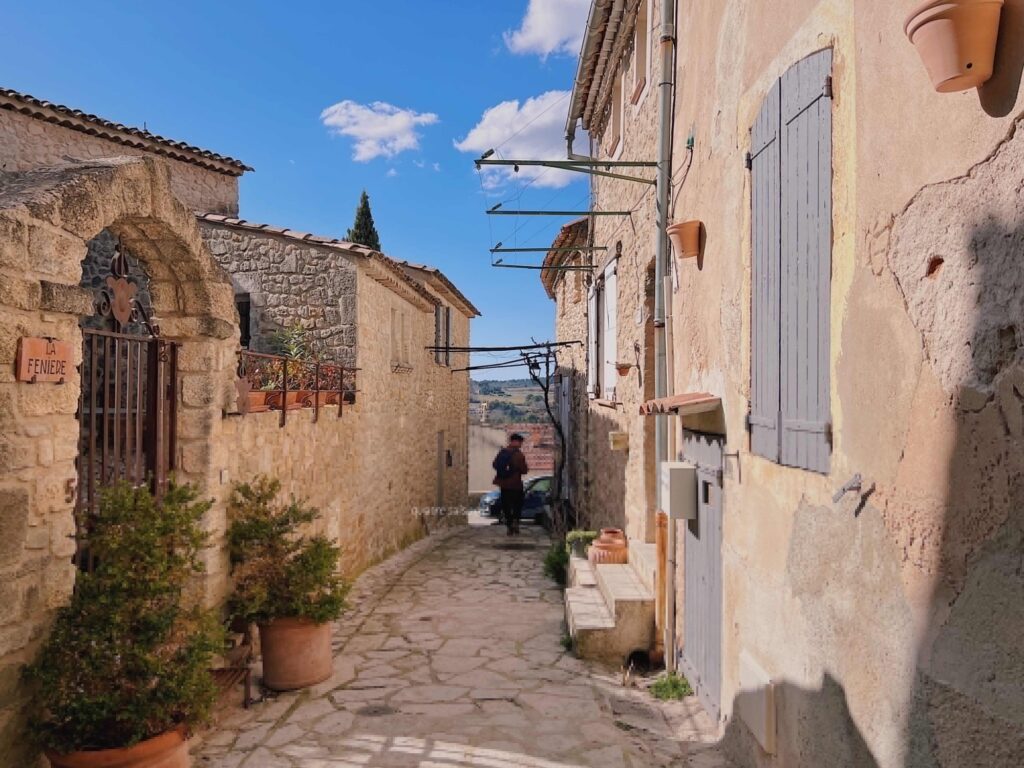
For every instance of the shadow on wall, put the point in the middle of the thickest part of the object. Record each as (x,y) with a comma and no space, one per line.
(822,733)
(999,94)
(968,699)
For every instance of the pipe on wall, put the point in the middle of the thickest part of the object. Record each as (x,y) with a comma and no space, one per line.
(666,86)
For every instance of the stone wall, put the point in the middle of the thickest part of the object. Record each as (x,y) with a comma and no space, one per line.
(47,218)
(289,282)
(27,142)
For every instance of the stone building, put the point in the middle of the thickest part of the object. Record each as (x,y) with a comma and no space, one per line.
(103,251)
(845,594)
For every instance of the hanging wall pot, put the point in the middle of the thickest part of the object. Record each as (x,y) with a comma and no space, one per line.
(685,238)
(956,40)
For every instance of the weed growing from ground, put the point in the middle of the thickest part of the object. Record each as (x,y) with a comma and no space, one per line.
(671,686)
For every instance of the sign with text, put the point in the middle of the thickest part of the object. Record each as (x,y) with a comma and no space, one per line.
(44,360)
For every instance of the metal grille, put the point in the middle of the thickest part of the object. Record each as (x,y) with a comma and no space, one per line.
(127,407)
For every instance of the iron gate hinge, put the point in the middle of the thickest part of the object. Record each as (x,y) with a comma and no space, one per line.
(828,433)
(827,90)
(748,161)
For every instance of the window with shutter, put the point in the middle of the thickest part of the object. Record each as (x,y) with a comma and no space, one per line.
(791,220)
(609,332)
(593,341)
(448,336)
(438,337)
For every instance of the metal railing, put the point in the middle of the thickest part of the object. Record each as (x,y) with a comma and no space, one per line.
(278,383)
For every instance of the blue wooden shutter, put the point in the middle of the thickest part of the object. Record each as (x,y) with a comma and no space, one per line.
(438,353)
(593,345)
(765,242)
(806,257)
(448,336)
(609,331)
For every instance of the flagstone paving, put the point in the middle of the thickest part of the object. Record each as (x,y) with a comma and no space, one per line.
(450,657)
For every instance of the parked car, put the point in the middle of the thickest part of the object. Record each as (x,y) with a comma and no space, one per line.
(536,502)
(486,500)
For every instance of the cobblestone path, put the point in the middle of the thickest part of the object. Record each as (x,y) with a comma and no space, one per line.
(451,657)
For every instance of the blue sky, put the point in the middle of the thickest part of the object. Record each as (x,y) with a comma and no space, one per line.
(325,99)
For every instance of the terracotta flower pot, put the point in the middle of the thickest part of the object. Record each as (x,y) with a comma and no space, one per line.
(292,400)
(258,401)
(609,548)
(296,653)
(685,239)
(956,40)
(168,750)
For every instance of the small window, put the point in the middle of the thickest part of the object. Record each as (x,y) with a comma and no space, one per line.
(641,51)
(615,118)
(395,337)
(244,305)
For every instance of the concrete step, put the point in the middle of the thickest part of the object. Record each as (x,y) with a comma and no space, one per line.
(623,590)
(644,559)
(581,573)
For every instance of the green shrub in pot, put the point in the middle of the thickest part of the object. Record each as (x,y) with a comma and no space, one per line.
(286,582)
(128,659)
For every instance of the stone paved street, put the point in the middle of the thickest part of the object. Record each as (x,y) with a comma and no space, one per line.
(451,656)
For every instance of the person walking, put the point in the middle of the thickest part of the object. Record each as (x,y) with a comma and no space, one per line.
(509,468)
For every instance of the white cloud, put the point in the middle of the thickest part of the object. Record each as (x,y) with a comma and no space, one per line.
(550,26)
(391,173)
(533,130)
(379,129)
(436,167)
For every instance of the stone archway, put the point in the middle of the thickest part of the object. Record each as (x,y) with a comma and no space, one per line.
(47,217)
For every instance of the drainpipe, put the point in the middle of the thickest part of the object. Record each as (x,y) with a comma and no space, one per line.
(661,257)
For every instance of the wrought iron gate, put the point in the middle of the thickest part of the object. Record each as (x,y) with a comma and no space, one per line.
(126,412)
(702,609)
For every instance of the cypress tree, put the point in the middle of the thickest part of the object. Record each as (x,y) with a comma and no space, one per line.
(362,230)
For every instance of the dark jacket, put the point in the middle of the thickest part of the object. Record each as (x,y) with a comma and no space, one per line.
(510,476)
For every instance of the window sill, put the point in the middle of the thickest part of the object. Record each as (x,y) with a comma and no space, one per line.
(638,91)
(605,403)
(613,148)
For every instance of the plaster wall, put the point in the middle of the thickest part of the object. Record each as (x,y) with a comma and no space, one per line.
(852,606)
(882,618)
(27,143)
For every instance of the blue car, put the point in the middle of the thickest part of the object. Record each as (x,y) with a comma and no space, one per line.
(536,502)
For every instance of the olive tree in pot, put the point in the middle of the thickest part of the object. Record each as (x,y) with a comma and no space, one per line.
(124,673)
(285,582)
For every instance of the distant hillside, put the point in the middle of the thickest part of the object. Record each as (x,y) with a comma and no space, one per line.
(508,401)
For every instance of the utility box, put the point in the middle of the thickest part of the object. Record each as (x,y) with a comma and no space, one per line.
(679,490)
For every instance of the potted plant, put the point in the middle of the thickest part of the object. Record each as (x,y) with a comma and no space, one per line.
(125,673)
(956,40)
(285,582)
(296,343)
(578,541)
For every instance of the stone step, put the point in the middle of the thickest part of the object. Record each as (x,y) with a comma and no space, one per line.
(585,610)
(644,559)
(609,621)
(623,590)
(581,572)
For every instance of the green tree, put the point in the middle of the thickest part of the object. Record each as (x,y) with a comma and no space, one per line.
(362,230)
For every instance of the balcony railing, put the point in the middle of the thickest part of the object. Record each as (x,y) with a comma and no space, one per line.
(277,383)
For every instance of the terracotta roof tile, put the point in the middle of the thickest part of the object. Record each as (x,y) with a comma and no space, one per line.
(77,120)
